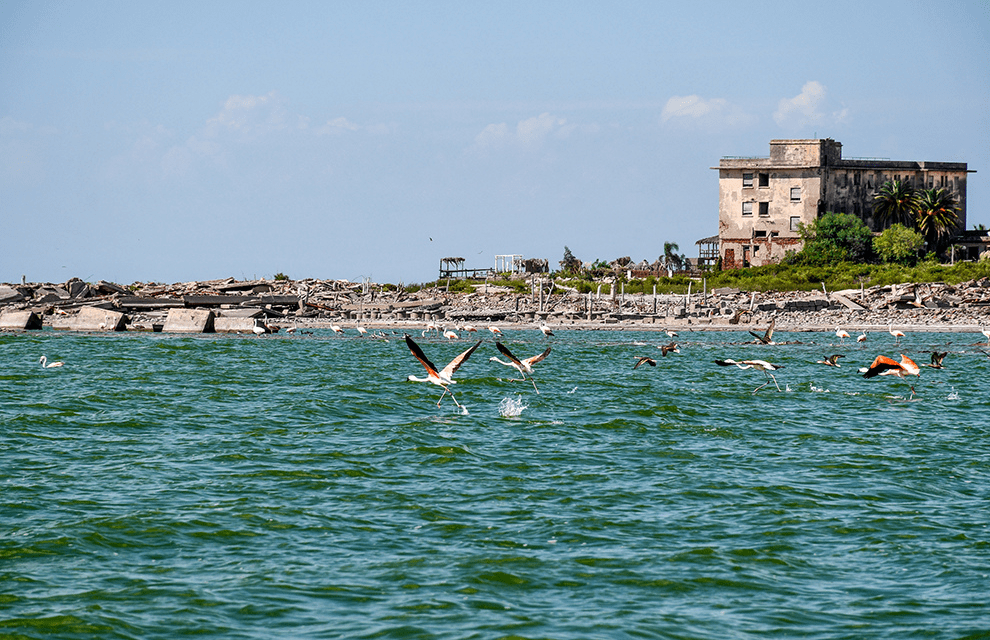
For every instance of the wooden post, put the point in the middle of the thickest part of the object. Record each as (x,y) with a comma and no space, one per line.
(704,284)
(688,296)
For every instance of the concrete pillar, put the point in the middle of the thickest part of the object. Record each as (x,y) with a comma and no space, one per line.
(189,321)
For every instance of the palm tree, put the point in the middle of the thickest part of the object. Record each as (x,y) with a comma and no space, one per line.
(937,215)
(896,202)
(670,257)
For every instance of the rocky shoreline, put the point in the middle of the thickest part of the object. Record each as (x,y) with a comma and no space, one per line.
(237,306)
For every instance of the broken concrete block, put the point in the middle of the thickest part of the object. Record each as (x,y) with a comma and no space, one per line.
(10,294)
(92,319)
(21,320)
(189,321)
(233,324)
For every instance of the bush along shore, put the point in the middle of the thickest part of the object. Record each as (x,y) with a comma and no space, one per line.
(264,306)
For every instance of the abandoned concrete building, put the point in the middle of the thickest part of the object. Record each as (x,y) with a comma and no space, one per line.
(762,201)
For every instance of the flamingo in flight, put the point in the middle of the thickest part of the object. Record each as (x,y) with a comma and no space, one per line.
(897,333)
(522,366)
(937,358)
(667,348)
(766,338)
(646,360)
(762,365)
(440,377)
(884,366)
(49,365)
(831,360)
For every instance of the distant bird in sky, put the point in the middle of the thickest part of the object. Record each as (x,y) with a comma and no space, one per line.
(762,365)
(831,360)
(545,329)
(442,377)
(49,365)
(897,333)
(668,348)
(842,334)
(884,366)
(647,360)
(861,338)
(766,338)
(937,358)
(522,366)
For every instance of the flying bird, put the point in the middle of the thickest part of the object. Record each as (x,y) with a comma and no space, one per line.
(762,365)
(884,366)
(842,334)
(667,348)
(442,377)
(647,360)
(522,366)
(897,333)
(766,338)
(670,334)
(49,365)
(937,358)
(831,360)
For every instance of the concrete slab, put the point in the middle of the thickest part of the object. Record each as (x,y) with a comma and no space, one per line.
(233,324)
(189,321)
(21,320)
(92,319)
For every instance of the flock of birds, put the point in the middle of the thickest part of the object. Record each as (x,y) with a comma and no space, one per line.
(443,377)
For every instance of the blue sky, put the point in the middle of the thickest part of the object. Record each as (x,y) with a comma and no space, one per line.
(196,140)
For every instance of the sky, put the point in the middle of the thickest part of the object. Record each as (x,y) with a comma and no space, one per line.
(178,141)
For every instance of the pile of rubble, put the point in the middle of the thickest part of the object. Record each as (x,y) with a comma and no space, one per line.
(232,305)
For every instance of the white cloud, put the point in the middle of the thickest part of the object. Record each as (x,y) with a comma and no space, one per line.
(530,132)
(807,108)
(249,114)
(336,127)
(691,107)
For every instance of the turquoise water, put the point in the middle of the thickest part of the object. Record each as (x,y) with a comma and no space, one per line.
(162,486)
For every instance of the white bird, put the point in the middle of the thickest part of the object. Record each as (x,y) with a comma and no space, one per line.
(470,328)
(362,331)
(49,365)
(670,334)
(450,335)
(522,366)
(545,329)
(897,333)
(861,338)
(431,327)
(762,365)
(842,334)
(336,329)
(495,331)
(986,334)
(259,329)
(443,377)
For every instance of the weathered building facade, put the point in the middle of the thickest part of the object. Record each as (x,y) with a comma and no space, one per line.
(762,201)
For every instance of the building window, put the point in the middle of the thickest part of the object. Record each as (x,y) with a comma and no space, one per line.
(759,233)
(764,179)
(795,221)
(747,180)
(856,178)
(764,209)
(747,208)
(774,234)
(795,194)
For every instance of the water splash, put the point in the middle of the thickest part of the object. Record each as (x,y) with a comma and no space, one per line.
(511,407)
(464,410)
(953,395)
(818,389)
(572,391)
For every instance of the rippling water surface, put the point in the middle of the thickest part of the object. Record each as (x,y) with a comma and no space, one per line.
(161,486)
